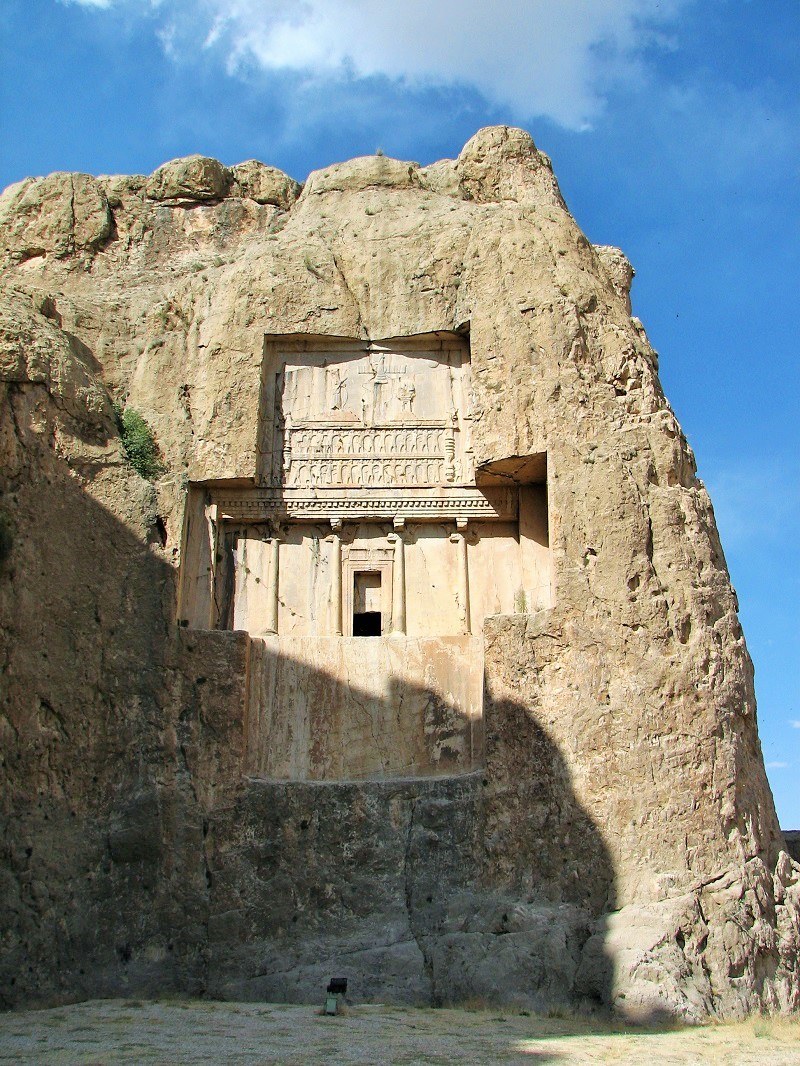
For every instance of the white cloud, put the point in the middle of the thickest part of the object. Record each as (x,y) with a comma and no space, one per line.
(795,724)
(777,765)
(90,3)
(534,57)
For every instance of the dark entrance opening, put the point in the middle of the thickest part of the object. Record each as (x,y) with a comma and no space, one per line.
(367,624)
(366,597)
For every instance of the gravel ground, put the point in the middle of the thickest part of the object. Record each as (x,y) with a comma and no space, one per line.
(195,1032)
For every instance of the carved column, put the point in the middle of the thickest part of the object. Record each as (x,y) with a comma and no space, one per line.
(399,577)
(212,522)
(272,585)
(459,539)
(336,576)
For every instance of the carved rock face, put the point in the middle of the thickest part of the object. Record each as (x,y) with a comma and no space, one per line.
(608,813)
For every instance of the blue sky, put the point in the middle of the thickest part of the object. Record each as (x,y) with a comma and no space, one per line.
(674,127)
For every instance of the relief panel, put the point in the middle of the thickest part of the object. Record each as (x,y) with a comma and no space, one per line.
(387,416)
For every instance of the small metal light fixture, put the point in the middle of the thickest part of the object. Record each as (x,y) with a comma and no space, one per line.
(337,986)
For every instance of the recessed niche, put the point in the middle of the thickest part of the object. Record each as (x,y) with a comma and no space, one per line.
(367,523)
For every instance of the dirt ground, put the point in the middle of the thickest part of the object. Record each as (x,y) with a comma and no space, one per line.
(196,1032)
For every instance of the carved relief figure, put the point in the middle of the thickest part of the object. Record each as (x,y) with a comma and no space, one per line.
(406,391)
(377,371)
(339,382)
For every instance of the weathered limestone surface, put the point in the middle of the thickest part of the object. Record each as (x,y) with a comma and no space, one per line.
(619,846)
(348,709)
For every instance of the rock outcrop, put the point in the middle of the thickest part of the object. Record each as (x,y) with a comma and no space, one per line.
(620,845)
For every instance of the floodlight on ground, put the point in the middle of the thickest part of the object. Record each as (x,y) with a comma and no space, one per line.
(337,986)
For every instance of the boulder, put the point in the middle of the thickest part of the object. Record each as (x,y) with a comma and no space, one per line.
(61,215)
(264,184)
(193,178)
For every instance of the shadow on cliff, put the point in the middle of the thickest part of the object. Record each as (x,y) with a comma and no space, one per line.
(101,837)
(139,860)
(484,887)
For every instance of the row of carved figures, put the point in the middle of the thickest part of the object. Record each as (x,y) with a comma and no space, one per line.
(418,441)
(374,474)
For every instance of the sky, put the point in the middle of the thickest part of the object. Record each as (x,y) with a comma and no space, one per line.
(674,128)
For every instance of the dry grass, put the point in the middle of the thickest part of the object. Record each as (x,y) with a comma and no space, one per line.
(197,1032)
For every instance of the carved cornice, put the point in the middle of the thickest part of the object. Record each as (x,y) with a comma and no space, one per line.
(258,505)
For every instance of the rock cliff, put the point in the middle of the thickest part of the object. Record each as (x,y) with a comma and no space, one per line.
(619,847)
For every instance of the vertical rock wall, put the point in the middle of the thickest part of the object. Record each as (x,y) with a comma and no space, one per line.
(621,845)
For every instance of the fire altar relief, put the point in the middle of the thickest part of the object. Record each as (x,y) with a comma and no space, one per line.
(364,561)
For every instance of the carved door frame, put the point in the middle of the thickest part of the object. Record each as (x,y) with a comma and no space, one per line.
(367,561)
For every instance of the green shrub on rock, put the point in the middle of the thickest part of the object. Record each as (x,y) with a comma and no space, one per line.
(139,444)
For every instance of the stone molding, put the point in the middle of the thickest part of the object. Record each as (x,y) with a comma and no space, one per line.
(249,505)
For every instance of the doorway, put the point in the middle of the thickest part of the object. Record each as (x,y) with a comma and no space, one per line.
(367,616)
